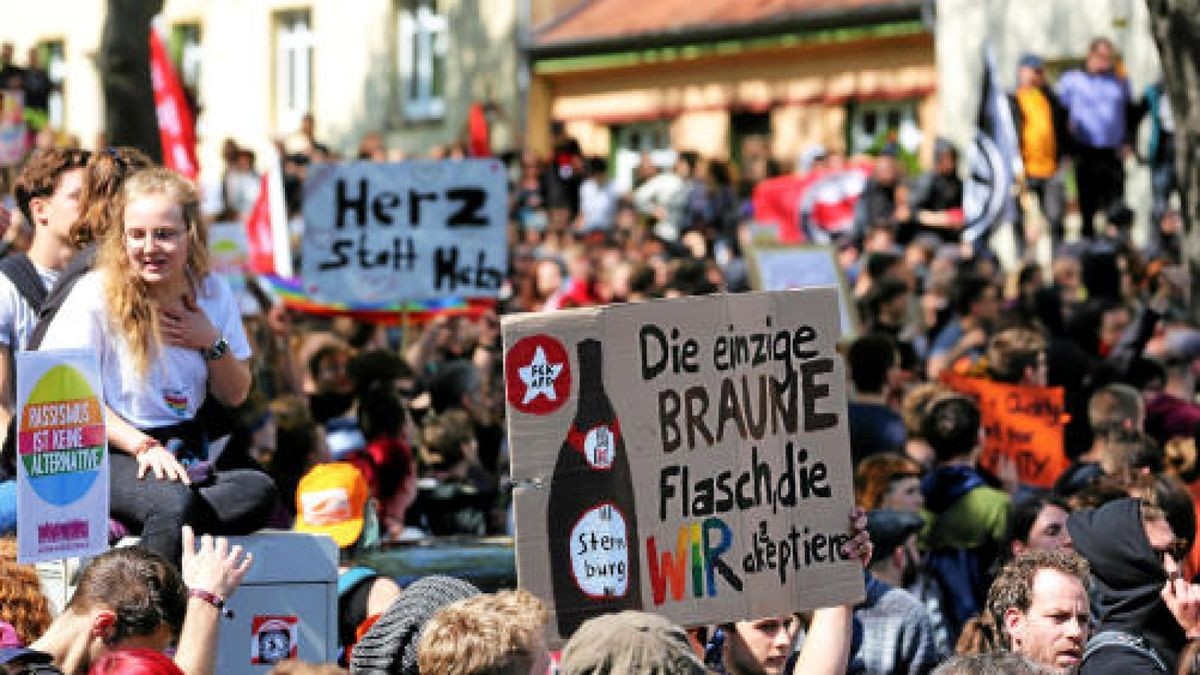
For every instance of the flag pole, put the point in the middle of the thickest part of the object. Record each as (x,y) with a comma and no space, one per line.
(404,329)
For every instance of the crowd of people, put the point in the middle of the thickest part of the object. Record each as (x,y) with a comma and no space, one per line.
(226,421)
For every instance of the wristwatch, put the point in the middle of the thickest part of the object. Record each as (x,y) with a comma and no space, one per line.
(218,349)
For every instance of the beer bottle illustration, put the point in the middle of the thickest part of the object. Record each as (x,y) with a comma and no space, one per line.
(593,536)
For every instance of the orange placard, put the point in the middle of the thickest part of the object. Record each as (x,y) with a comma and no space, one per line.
(1021,422)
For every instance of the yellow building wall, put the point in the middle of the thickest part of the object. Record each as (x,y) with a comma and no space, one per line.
(705,132)
(805,88)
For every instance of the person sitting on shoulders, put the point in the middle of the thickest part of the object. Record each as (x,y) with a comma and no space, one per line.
(167,333)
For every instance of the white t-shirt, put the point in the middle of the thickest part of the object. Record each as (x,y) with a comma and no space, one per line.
(17,318)
(177,381)
(598,205)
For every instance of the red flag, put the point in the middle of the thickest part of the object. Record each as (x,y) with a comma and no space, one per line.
(826,197)
(258,232)
(477,132)
(176,128)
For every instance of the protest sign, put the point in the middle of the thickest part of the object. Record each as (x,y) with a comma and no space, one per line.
(12,127)
(62,475)
(782,268)
(1022,423)
(229,257)
(408,231)
(684,457)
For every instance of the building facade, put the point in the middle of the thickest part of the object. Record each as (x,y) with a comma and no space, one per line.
(732,79)
(408,69)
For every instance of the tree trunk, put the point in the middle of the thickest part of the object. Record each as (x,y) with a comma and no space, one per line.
(1176,26)
(124,62)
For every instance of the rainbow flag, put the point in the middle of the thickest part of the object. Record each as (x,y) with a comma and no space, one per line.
(415,312)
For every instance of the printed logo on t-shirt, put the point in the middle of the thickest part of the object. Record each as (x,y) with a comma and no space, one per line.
(177,401)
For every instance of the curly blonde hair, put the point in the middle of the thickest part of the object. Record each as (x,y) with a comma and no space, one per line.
(131,306)
(22,604)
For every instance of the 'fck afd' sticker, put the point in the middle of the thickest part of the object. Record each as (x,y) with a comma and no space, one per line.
(273,639)
(537,375)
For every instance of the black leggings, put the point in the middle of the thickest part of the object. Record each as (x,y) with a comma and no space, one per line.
(232,502)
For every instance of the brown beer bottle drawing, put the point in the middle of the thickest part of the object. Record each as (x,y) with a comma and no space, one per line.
(593,536)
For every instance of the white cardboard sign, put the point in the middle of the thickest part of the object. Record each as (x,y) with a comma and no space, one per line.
(386,233)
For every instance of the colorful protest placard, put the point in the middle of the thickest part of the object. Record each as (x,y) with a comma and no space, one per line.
(12,127)
(684,457)
(1021,422)
(409,231)
(782,268)
(62,472)
(229,256)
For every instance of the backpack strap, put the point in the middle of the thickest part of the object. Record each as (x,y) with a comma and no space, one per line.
(24,276)
(76,268)
(21,272)
(1119,639)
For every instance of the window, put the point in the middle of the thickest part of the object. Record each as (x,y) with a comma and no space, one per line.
(185,52)
(871,123)
(293,69)
(422,38)
(629,141)
(53,55)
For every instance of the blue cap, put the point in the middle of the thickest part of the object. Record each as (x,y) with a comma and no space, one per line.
(1031,61)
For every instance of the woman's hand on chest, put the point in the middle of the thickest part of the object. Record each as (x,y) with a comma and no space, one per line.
(186,325)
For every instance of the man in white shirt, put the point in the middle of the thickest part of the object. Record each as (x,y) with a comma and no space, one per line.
(597,198)
(47,192)
(665,198)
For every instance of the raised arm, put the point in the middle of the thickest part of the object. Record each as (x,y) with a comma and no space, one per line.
(827,646)
(212,573)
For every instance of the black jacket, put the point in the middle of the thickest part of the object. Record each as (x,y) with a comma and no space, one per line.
(1127,578)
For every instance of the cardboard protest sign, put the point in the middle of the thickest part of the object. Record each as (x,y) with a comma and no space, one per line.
(1023,423)
(62,475)
(781,268)
(229,256)
(418,230)
(685,457)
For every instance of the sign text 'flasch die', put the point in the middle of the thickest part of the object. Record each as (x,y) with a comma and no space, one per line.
(384,233)
(684,457)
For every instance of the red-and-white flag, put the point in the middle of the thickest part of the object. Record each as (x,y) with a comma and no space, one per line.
(266,226)
(176,128)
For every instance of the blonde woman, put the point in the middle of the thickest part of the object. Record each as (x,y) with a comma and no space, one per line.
(167,334)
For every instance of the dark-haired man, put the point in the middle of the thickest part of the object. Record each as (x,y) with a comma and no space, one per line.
(874,426)
(893,631)
(969,519)
(133,597)
(976,307)
(47,192)
(1041,124)
(1098,102)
